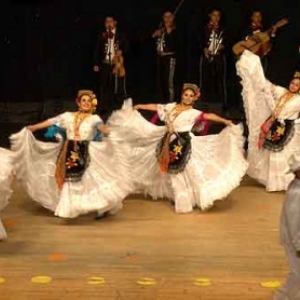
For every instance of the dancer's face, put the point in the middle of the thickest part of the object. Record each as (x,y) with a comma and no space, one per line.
(85,103)
(188,97)
(295,85)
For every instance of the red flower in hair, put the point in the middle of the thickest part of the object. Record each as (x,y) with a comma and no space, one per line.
(77,100)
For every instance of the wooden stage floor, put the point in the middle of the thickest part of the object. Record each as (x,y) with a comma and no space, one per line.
(146,252)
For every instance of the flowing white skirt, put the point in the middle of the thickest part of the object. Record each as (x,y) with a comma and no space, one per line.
(6,177)
(102,188)
(267,167)
(216,167)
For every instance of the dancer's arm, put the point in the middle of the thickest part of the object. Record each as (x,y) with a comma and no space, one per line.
(104,130)
(40,126)
(276,90)
(151,107)
(216,118)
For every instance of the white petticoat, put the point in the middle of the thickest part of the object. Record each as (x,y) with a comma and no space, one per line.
(6,176)
(216,167)
(267,167)
(102,187)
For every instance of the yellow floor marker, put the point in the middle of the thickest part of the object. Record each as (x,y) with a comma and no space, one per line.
(271,284)
(2,280)
(96,280)
(202,282)
(147,281)
(41,279)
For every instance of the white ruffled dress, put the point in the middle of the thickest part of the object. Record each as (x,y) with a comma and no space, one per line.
(267,167)
(216,165)
(6,177)
(103,185)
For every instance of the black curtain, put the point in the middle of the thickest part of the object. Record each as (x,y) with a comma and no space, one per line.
(47,46)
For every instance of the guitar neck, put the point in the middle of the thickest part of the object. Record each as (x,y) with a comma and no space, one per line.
(274,27)
(269,31)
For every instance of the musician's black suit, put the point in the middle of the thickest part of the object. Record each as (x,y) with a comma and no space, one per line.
(110,89)
(212,80)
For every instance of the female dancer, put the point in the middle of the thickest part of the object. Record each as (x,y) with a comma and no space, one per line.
(75,176)
(272,112)
(169,161)
(6,176)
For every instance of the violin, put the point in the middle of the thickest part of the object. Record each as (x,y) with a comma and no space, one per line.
(119,68)
(260,42)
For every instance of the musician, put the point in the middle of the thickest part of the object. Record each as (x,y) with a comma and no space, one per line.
(213,61)
(112,45)
(166,47)
(256,25)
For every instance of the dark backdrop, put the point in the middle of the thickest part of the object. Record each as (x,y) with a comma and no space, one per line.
(47,46)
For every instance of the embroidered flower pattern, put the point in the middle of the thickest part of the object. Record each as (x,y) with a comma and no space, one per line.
(176,151)
(74,156)
(279,132)
(173,156)
(73,160)
(71,163)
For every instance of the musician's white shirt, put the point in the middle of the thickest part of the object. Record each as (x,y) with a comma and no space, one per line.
(253,32)
(161,43)
(111,46)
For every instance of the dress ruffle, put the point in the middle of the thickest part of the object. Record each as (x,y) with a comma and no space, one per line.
(216,167)
(6,177)
(102,187)
(267,167)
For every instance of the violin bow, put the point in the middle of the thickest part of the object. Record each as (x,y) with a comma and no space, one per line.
(174,13)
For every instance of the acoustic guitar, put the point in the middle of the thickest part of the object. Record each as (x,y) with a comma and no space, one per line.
(260,42)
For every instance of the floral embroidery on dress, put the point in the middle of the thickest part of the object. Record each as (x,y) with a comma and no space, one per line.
(180,150)
(73,160)
(280,133)
(175,152)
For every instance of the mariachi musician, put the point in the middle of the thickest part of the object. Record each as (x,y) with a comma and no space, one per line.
(109,65)
(256,26)
(213,61)
(166,47)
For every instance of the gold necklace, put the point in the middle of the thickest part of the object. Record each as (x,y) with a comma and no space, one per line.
(282,101)
(78,119)
(175,112)
(179,108)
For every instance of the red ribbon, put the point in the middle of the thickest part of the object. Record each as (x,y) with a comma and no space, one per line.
(108,35)
(213,26)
